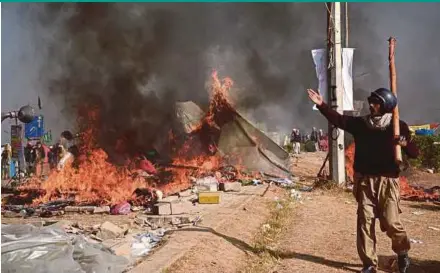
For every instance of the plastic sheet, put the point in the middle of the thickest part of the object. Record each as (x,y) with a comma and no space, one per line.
(28,249)
(144,243)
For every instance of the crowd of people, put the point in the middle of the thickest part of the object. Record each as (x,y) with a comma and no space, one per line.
(39,158)
(317,137)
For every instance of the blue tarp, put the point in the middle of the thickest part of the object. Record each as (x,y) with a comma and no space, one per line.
(425,132)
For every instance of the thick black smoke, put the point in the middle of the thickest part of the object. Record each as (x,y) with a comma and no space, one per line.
(136,60)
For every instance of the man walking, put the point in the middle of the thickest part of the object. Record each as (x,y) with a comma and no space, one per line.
(295,139)
(376,181)
(314,136)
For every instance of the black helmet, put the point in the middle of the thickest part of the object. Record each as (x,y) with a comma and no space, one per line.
(386,98)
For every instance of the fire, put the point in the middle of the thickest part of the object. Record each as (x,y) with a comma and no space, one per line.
(406,191)
(94,180)
(198,152)
(411,193)
(349,161)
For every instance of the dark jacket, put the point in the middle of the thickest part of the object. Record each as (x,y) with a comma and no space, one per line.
(295,137)
(374,149)
(314,136)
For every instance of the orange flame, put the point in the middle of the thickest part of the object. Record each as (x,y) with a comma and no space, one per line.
(97,181)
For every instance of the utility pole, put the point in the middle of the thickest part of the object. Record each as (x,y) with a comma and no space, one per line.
(346,24)
(335,89)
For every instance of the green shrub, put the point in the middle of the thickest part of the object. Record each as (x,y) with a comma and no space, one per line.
(429,152)
(309,146)
(289,148)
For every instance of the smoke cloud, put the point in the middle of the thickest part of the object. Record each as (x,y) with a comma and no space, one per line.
(136,60)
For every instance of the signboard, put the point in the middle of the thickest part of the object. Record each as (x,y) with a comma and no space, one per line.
(16,143)
(47,137)
(35,128)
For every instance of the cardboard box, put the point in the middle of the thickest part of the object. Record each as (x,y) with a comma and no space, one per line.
(209,197)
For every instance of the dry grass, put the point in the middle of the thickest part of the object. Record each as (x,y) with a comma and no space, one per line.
(265,253)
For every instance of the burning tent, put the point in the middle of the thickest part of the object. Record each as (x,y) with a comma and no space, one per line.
(240,142)
(218,142)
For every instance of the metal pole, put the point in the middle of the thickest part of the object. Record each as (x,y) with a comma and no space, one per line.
(338,154)
(346,24)
(329,10)
(19,155)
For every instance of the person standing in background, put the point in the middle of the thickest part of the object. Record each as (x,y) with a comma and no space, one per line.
(6,160)
(314,136)
(295,140)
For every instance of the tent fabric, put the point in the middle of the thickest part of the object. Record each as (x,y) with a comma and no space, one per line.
(242,144)
(189,115)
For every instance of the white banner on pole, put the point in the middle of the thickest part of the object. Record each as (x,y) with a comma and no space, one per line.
(320,60)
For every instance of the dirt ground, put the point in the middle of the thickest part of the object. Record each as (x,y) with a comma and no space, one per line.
(320,234)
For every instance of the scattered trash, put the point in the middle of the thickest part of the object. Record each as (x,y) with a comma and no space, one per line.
(109,230)
(265,227)
(104,209)
(295,194)
(350,187)
(284,182)
(83,209)
(209,183)
(413,241)
(256,182)
(28,249)
(136,208)
(230,186)
(430,170)
(418,212)
(144,243)
(197,220)
(121,209)
(306,189)
(209,197)
(434,228)
(348,202)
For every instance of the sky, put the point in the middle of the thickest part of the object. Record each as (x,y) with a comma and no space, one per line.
(54,51)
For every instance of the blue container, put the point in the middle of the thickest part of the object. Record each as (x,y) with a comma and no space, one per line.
(12,168)
(425,132)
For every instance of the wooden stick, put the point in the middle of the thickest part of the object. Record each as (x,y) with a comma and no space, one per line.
(393,83)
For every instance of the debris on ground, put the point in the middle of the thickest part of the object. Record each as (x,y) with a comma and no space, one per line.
(306,189)
(256,182)
(295,195)
(284,182)
(209,183)
(418,212)
(265,227)
(230,186)
(434,228)
(109,230)
(122,208)
(28,249)
(209,197)
(143,243)
(414,241)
